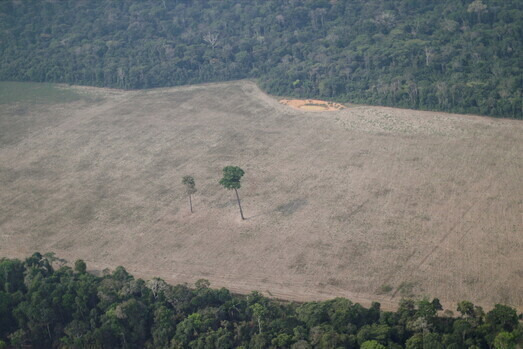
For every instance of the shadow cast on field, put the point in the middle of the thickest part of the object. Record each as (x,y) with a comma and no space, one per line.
(255,216)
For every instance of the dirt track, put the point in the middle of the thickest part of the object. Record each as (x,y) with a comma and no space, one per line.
(338,203)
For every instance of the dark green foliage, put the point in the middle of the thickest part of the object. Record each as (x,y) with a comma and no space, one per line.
(502,318)
(190,185)
(452,55)
(80,266)
(46,308)
(231,177)
(11,275)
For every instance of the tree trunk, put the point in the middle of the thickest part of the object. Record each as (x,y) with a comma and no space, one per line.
(259,325)
(190,202)
(239,204)
(124,341)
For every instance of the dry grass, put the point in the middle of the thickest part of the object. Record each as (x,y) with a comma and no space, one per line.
(368,203)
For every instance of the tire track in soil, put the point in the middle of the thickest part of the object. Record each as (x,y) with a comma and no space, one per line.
(418,265)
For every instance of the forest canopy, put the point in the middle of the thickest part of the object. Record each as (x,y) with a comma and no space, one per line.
(453,55)
(45,304)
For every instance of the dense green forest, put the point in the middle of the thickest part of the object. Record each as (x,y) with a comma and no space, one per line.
(44,307)
(451,55)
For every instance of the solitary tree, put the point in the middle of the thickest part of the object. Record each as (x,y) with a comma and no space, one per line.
(190,188)
(231,180)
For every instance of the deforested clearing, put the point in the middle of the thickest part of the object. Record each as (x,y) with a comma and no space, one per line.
(368,203)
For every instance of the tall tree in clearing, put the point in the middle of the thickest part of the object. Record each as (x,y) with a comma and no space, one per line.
(190,188)
(231,180)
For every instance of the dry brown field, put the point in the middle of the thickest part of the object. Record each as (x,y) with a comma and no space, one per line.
(369,203)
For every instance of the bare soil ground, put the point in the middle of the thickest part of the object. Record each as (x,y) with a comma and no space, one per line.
(312,104)
(368,203)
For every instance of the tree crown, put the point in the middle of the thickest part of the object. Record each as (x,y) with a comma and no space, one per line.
(190,185)
(231,177)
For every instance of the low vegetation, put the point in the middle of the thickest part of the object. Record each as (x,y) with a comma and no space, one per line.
(44,307)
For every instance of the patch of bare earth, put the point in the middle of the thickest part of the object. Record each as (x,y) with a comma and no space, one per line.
(368,203)
(312,104)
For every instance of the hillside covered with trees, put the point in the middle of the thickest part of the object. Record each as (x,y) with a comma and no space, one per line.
(71,308)
(452,55)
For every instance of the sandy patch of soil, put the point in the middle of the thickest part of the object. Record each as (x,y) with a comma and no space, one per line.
(312,104)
